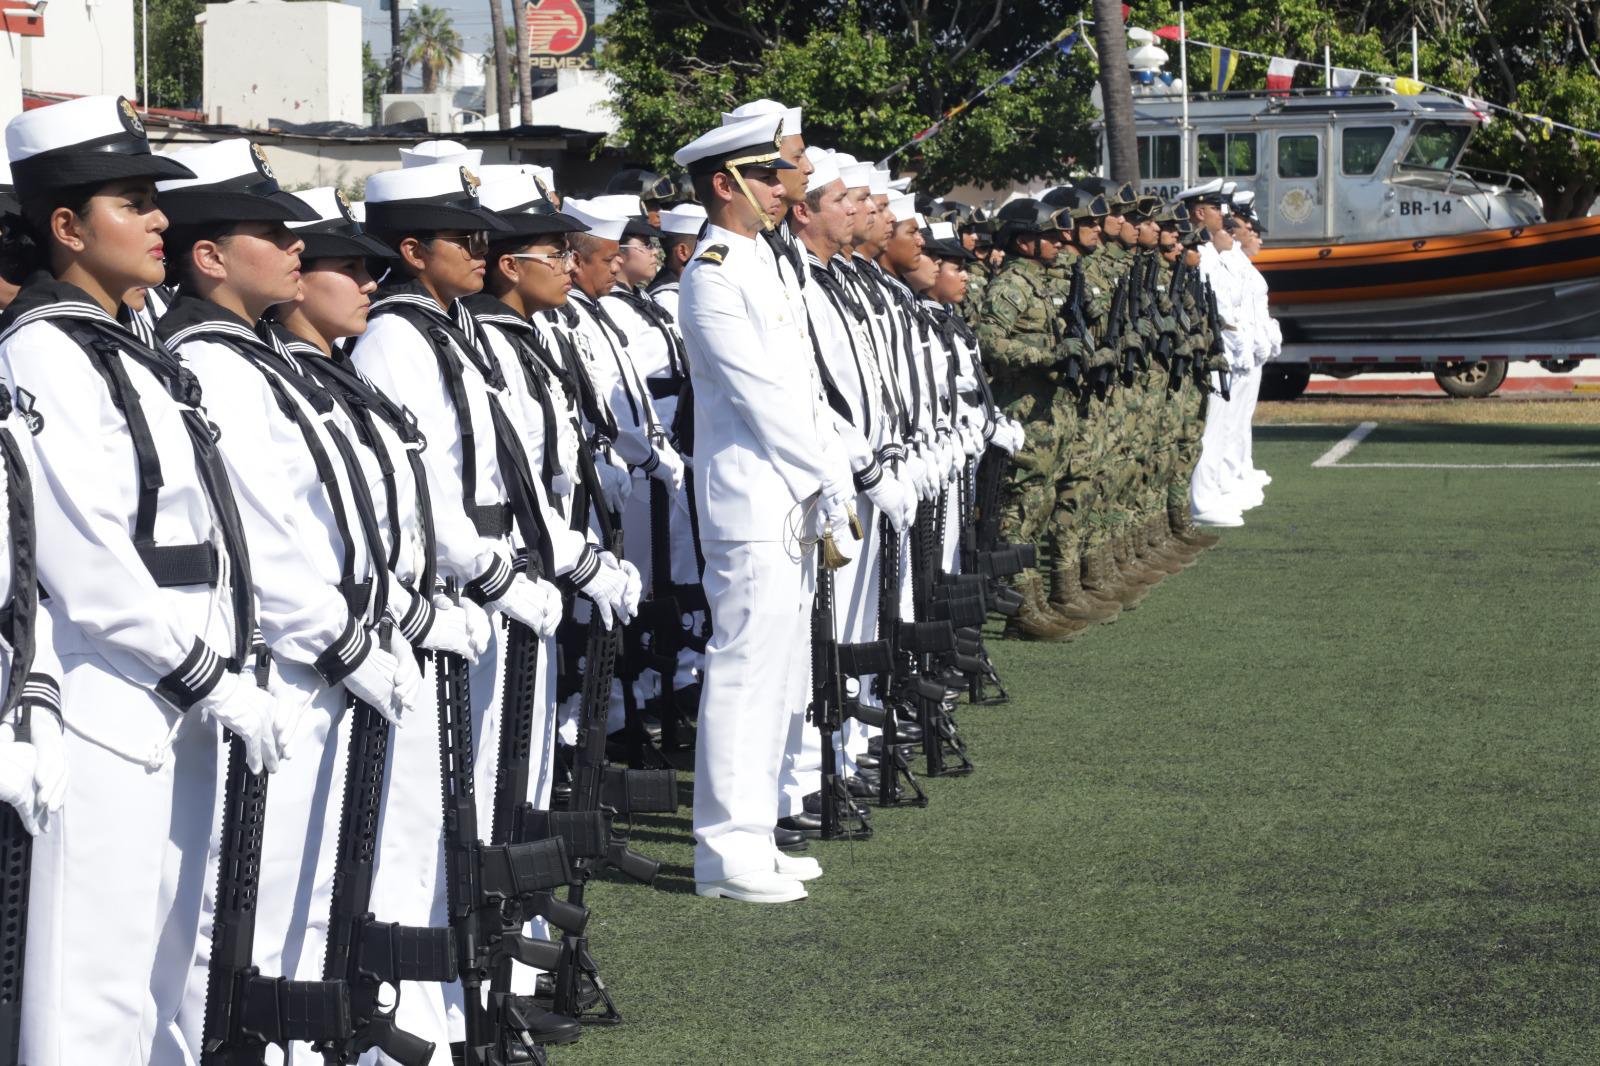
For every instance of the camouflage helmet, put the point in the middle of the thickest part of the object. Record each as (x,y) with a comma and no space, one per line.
(1082,205)
(647,185)
(1024,216)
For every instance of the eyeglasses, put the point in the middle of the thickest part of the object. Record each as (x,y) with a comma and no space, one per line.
(563,258)
(638,248)
(475,244)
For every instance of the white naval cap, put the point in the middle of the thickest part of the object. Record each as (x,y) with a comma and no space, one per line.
(1209,192)
(942,231)
(87,141)
(231,182)
(688,219)
(825,169)
(617,203)
(899,184)
(879,182)
(856,175)
(429,153)
(544,176)
(510,191)
(1244,199)
(603,222)
(755,140)
(335,232)
(904,207)
(426,199)
(791,115)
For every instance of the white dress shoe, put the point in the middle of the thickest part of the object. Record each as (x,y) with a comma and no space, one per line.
(799,867)
(1227,519)
(757,887)
(1261,477)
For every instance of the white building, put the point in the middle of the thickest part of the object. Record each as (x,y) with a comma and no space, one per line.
(269,60)
(86,50)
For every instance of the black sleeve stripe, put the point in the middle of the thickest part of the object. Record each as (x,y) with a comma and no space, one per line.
(418,618)
(869,475)
(345,653)
(587,566)
(195,677)
(492,583)
(651,463)
(42,690)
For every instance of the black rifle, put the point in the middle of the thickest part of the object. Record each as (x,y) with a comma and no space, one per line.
(16,865)
(1077,326)
(1115,322)
(1135,310)
(598,793)
(482,881)
(826,712)
(1177,292)
(892,684)
(934,642)
(1218,345)
(245,1011)
(367,954)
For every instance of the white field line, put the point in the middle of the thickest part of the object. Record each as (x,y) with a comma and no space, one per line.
(1332,456)
(1458,466)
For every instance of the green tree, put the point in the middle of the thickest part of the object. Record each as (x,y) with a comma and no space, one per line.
(430,41)
(870,76)
(175,52)
(374,79)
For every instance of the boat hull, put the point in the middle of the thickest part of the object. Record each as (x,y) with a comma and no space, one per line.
(1482,293)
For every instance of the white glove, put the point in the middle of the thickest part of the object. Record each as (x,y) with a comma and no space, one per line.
(1010,437)
(632,591)
(448,631)
(373,682)
(607,590)
(480,631)
(409,693)
(971,440)
(248,712)
(914,472)
(616,485)
(50,774)
(954,457)
(529,604)
(834,508)
(19,763)
(669,469)
(928,487)
(892,501)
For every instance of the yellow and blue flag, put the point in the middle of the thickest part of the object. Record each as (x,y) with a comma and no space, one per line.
(1223,65)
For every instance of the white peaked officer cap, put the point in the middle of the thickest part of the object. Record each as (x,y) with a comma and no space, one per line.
(879,183)
(337,232)
(825,171)
(686,219)
(358,208)
(903,207)
(1244,199)
(1209,192)
(87,141)
(749,142)
(603,223)
(791,115)
(427,199)
(544,175)
(232,182)
(428,153)
(510,191)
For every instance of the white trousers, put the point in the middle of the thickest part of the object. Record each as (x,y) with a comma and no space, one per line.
(1236,457)
(1210,486)
(752,704)
(856,620)
(117,883)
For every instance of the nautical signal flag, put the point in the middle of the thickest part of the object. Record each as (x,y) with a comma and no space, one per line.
(1224,64)
(1171,33)
(1344,79)
(1407,86)
(1280,75)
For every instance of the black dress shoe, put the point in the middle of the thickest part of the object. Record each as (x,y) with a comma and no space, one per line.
(789,839)
(871,779)
(544,1026)
(544,992)
(805,823)
(813,806)
(858,786)
(867,762)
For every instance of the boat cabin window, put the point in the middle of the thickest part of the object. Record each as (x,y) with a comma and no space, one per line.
(1363,148)
(1299,156)
(1158,157)
(1231,155)
(1436,146)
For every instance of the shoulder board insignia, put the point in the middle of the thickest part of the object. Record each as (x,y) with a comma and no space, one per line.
(715,254)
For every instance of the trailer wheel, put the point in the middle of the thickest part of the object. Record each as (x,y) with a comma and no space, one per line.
(1471,380)
(1284,382)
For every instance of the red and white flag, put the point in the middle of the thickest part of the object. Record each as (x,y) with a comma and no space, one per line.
(1280,75)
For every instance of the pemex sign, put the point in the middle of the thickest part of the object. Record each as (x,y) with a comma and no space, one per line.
(561,34)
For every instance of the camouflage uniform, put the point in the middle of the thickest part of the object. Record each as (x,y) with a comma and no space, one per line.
(977,281)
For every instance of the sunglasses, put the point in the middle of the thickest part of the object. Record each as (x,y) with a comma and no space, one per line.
(549,257)
(475,244)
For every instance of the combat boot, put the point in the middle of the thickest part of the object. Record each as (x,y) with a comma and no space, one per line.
(1162,551)
(1129,565)
(1096,580)
(1069,600)
(1109,579)
(1184,529)
(1035,621)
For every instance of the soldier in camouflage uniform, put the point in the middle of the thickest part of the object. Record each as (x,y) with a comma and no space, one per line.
(1019,331)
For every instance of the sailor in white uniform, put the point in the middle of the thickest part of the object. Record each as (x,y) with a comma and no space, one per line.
(680,232)
(149,592)
(770,479)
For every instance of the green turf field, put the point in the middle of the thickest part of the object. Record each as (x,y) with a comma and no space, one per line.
(1331,795)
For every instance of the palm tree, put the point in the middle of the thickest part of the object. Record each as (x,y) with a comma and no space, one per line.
(524,63)
(1116,91)
(502,69)
(430,41)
